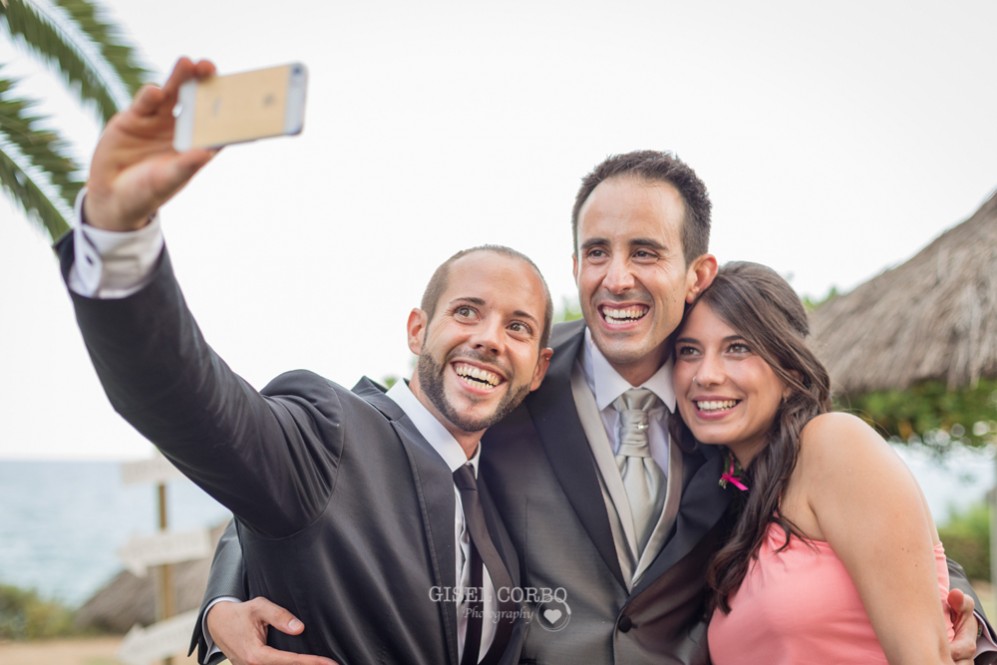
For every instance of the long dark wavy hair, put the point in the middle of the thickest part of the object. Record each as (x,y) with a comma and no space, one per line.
(763,308)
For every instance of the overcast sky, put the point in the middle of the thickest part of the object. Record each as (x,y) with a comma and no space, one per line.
(837,139)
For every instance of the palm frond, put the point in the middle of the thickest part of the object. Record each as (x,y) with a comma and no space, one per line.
(76,48)
(81,45)
(27,186)
(120,56)
(39,147)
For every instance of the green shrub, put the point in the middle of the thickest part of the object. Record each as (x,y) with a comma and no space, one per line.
(25,616)
(966,537)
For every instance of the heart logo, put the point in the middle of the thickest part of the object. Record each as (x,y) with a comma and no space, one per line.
(552,616)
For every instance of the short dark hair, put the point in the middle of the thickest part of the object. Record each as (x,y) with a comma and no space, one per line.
(438,284)
(654,165)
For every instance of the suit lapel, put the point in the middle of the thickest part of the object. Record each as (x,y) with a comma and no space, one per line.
(560,433)
(435,493)
(702,505)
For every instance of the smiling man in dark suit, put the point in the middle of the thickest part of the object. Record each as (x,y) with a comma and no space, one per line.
(361,508)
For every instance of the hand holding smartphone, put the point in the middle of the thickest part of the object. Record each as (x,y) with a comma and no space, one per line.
(241,107)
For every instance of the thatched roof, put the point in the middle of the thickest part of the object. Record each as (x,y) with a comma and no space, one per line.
(933,317)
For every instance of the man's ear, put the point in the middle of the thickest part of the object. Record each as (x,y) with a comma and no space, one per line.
(543,362)
(700,275)
(416,326)
(574,266)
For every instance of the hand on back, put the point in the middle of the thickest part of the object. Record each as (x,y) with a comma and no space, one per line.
(240,631)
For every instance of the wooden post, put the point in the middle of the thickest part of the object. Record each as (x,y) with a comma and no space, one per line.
(165,600)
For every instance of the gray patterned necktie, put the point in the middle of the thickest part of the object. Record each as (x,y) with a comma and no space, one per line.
(643,479)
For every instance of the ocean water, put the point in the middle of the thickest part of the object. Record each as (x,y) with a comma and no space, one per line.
(62,522)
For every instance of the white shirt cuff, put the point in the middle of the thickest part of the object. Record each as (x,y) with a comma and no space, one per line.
(210,647)
(985,643)
(113,264)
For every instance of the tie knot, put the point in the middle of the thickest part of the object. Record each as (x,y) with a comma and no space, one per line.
(634,406)
(636,399)
(464,478)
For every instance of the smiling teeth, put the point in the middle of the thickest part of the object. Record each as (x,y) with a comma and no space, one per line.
(477,374)
(717,405)
(623,315)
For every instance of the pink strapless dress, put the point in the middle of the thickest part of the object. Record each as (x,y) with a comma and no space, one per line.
(799,607)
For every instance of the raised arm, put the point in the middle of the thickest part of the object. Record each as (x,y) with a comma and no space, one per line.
(270,459)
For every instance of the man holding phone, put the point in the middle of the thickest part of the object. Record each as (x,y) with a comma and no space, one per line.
(359,508)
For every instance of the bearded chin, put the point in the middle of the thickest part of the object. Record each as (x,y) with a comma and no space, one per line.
(431,382)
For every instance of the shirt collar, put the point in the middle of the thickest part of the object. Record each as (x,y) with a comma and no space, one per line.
(606,383)
(431,428)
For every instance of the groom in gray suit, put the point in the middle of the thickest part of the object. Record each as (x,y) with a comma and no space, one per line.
(359,509)
(634,581)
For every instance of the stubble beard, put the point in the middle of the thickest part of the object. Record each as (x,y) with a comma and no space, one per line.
(431,382)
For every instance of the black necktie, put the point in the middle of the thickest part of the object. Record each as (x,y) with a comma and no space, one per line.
(483,550)
(475,609)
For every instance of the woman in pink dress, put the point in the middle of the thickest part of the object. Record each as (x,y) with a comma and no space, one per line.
(834,557)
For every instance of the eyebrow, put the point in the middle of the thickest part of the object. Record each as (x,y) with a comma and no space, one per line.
(634,242)
(728,338)
(592,242)
(647,242)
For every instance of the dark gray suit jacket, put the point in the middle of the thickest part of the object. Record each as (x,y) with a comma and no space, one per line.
(344,512)
(540,466)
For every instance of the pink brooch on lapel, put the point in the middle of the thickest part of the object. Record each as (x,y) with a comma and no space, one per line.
(733,474)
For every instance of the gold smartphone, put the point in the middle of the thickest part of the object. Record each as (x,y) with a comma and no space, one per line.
(241,107)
